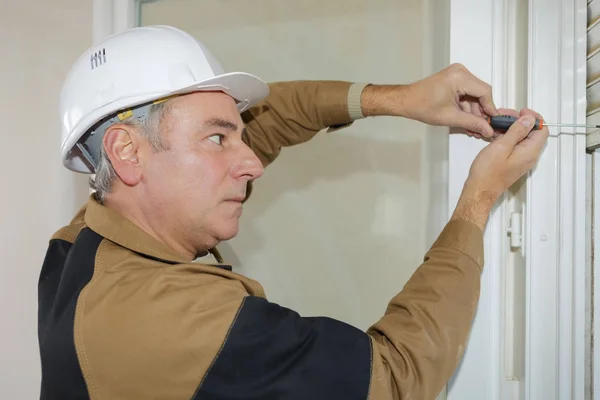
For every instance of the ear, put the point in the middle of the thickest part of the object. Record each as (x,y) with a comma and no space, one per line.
(122,146)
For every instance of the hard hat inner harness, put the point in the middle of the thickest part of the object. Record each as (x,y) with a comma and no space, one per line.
(90,144)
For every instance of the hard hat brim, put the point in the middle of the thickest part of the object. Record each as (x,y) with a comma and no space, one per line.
(246,89)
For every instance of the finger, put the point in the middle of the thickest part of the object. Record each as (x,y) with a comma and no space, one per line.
(535,142)
(505,111)
(527,152)
(473,86)
(474,134)
(518,131)
(476,110)
(472,123)
(488,105)
(509,111)
(465,106)
(527,111)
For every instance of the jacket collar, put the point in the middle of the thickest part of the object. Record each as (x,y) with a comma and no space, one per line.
(118,229)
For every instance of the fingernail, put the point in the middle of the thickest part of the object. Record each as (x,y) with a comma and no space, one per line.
(527,121)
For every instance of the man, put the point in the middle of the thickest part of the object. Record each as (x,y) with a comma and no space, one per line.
(124,311)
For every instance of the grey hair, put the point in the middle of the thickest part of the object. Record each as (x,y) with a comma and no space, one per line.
(105,176)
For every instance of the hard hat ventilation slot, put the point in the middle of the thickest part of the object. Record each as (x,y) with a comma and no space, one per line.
(98,58)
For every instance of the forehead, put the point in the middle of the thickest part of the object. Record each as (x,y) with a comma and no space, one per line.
(200,108)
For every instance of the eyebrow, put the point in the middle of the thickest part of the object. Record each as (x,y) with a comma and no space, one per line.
(221,123)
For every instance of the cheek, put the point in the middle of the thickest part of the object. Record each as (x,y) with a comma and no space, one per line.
(190,175)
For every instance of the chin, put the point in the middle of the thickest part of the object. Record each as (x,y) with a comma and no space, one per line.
(229,232)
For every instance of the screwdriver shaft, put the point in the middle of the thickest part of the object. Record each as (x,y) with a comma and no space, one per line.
(572,125)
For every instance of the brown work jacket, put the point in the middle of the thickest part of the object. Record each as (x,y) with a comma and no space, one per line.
(123,316)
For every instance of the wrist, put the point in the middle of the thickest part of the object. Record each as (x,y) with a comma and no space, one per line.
(475,206)
(389,100)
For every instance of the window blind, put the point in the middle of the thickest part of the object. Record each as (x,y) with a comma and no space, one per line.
(593,62)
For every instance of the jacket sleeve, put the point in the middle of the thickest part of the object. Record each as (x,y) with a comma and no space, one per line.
(295,111)
(420,340)
(410,353)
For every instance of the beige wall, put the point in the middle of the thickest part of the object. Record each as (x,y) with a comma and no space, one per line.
(38,41)
(336,226)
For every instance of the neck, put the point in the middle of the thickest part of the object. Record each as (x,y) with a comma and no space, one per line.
(150,221)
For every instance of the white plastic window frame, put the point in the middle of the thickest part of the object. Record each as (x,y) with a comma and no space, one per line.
(556,340)
(555,225)
(556,261)
(593,211)
(475,379)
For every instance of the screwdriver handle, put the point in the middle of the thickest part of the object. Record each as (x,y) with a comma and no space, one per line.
(503,122)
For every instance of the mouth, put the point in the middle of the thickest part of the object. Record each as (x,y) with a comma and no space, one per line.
(237,199)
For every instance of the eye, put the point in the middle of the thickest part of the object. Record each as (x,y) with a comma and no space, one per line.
(218,138)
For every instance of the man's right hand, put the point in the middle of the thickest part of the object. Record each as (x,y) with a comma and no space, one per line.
(498,166)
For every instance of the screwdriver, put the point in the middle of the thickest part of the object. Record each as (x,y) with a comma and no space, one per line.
(503,122)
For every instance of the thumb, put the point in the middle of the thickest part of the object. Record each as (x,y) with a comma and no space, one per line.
(473,123)
(517,131)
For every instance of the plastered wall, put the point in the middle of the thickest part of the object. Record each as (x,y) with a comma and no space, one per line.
(38,42)
(337,225)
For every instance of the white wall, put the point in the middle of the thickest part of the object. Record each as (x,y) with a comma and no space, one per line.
(335,226)
(38,42)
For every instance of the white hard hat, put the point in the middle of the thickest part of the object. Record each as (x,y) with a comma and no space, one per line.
(133,68)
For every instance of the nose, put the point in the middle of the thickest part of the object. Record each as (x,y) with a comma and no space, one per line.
(249,167)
